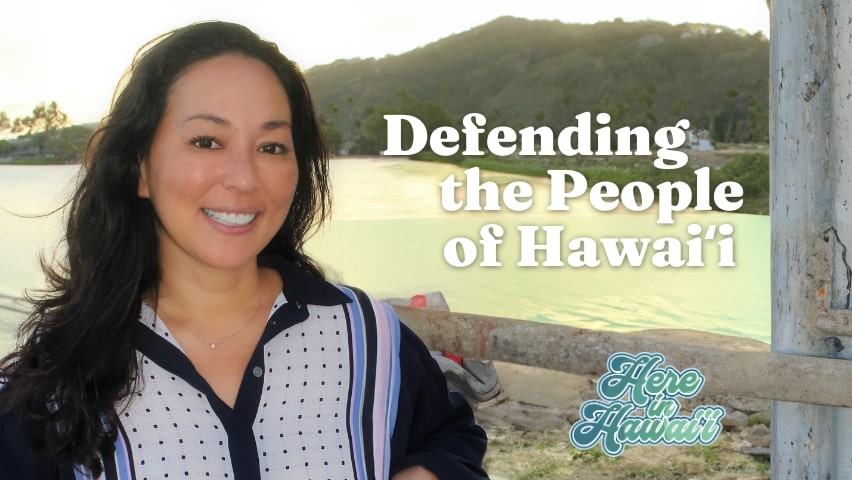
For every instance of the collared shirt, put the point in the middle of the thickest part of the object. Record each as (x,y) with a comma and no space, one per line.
(337,388)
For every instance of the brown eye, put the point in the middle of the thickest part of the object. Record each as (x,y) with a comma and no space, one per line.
(205,143)
(274,149)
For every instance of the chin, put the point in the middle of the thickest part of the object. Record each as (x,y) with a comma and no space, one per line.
(230,261)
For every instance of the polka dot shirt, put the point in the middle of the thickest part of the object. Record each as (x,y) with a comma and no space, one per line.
(300,425)
(337,388)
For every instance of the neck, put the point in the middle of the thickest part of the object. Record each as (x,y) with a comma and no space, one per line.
(209,301)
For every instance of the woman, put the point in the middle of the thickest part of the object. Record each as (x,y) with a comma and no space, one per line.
(187,333)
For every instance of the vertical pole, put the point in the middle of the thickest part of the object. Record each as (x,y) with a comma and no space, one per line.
(811,219)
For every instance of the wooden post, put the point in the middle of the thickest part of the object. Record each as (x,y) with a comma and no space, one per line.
(811,221)
(733,366)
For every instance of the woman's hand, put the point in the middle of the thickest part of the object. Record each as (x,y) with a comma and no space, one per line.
(416,472)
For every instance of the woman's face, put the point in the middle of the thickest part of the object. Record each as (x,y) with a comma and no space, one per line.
(222,168)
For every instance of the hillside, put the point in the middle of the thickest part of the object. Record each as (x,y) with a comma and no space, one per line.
(64,145)
(521,72)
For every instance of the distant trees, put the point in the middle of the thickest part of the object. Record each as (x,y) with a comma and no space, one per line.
(741,119)
(46,118)
(373,137)
(49,138)
(332,135)
(522,72)
(374,129)
(68,144)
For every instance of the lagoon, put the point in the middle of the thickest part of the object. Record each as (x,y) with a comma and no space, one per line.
(388,231)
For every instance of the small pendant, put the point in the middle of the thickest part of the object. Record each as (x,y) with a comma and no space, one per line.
(212,346)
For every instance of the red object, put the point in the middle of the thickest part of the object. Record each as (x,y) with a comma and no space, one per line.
(454,357)
(417,301)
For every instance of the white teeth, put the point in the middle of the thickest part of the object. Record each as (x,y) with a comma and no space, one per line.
(230,219)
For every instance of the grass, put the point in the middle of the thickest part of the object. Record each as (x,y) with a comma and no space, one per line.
(543,470)
(709,454)
(34,161)
(496,165)
(591,455)
(750,169)
(549,455)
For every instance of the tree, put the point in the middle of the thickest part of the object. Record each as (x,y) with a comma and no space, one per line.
(682,108)
(373,137)
(68,144)
(45,118)
(374,128)
(48,132)
(644,98)
(757,114)
(333,136)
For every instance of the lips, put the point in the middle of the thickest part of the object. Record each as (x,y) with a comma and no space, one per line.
(230,219)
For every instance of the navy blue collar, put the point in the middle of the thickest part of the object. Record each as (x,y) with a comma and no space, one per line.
(301,287)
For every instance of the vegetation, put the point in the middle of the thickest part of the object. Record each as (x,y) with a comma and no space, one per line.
(45,118)
(43,137)
(521,72)
(518,73)
(62,145)
(548,454)
(749,169)
(374,128)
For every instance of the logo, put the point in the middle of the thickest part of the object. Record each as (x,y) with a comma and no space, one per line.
(639,406)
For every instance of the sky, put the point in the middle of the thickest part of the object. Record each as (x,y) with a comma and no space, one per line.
(74,52)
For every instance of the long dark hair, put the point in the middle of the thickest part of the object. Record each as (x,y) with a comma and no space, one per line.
(76,358)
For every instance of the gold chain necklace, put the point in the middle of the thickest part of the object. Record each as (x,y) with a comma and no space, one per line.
(214,344)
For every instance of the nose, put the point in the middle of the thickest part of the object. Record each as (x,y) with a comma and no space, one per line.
(240,172)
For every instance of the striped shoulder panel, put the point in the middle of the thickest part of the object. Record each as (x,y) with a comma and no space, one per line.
(117,464)
(374,336)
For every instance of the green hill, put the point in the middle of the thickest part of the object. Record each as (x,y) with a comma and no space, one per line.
(530,72)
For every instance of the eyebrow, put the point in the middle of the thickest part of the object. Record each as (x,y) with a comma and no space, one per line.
(269,125)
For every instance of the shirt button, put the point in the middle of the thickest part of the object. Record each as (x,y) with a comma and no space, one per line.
(258,372)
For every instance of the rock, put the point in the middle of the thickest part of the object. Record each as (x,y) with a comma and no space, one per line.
(759,436)
(762,418)
(761,452)
(539,386)
(521,416)
(735,419)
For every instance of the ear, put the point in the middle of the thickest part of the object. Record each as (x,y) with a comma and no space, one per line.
(142,189)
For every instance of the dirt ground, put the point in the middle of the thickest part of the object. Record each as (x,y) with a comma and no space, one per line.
(528,426)
(723,154)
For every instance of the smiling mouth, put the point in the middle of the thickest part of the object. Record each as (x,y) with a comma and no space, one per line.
(230,219)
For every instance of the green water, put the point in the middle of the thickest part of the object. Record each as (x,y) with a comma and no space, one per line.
(388,232)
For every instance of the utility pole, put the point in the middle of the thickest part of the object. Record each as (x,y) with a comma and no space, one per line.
(811,221)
